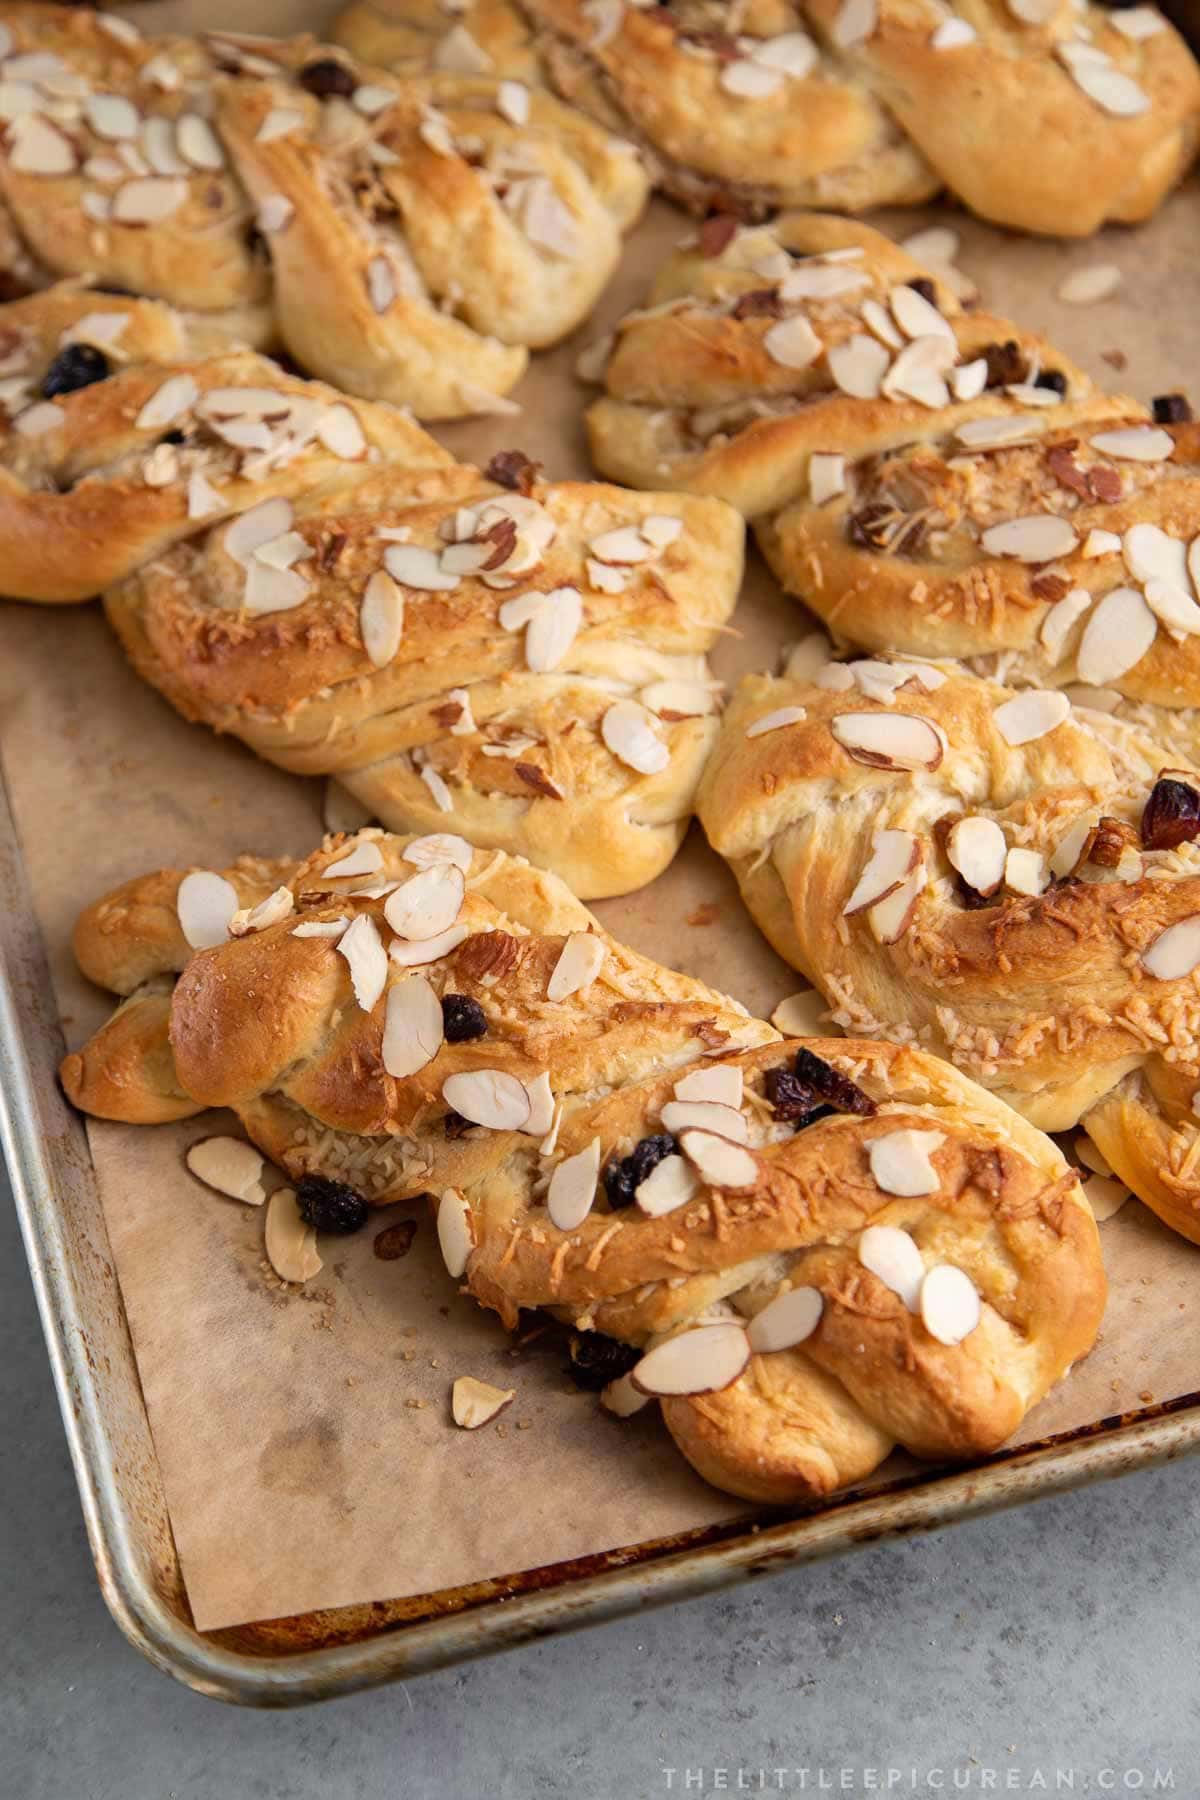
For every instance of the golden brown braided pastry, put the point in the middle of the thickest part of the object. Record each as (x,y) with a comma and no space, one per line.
(119,436)
(846,1246)
(847,103)
(523,665)
(987,872)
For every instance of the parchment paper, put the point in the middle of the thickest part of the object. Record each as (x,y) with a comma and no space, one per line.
(304,1435)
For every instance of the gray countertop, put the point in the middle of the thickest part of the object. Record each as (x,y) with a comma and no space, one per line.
(1056,1644)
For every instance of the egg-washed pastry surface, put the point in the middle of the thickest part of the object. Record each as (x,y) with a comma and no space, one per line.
(519,661)
(808,1253)
(120,436)
(1042,115)
(408,240)
(1002,878)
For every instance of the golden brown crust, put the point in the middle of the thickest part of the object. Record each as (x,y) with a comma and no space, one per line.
(463,728)
(92,485)
(269,1024)
(1044,996)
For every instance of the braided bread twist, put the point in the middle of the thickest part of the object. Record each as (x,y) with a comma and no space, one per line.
(844,1248)
(847,104)
(996,876)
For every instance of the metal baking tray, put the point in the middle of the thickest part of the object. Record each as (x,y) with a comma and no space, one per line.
(285,1662)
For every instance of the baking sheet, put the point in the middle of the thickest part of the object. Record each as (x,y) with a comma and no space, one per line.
(303,1436)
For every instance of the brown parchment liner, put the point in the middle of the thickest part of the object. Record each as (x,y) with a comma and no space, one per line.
(304,1435)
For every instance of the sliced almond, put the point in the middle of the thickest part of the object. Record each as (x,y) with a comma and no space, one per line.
(257,525)
(629,732)
(148,199)
(1039,538)
(889,919)
(381,619)
(916,316)
(977,849)
(1175,952)
(1175,608)
(272,911)
(1072,845)
(552,629)
(722,1083)
(919,371)
(900,1162)
(878,320)
(291,1244)
(1117,636)
(661,529)
(36,420)
(320,928)
(277,123)
(541,1107)
(270,590)
(999,434)
(205,904)
(443,799)
(669,1185)
(198,143)
(889,740)
(1100,543)
(512,102)
(1135,443)
(968,380)
(275,213)
(1151,554)
(157,143)
(580,961)
(750,80)
(620,1397)
(475,1403)
(702,1361)
(826,476)
(775,721)
(858,366)
(1025,872)
(1061,619)
(439,847)
(413,1031)
(427,904)
(1084,287)
(717,1161)
(366,958)
(177,395)
(38,148)
(786,1321)
(705,1115)
(894,856)
(203,500)
(456,1231)
(950,1305)
(854,23)
(819,280)
(792,343)
(572,1191)
(953,34)
(366,858)
(624,545)
(1138,22)
(413,956)
(1112,91)
(338,428)
(687,699)
(416,567)
(893,1257)
(230,1166)
(488,1097)
(1031,715)
(803,1015)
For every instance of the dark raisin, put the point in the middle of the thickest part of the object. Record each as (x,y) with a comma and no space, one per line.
(923,286)
(173,437)
(330,1205)
(622,1179)
(792,1099)
(454,1125)
(828,1084)
(514,470)
(325,77)
(78,366)
(872,526)
(1172,814)
(462,1018)
(758,303)
(1054,379)
(1172,409)
(12,287)
(971,897)
(1005,363)
(596,1360)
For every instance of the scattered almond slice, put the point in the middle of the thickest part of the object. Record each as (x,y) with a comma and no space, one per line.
(999,434)
(1135,443)
(366,958)
(205,904)
(705,1115)
(893,1257)
(488,1097)
(320,928)
(854,23)
(1100,543)
(426,904)
(717,1161)
(687,699)
(1111,90)
(1175,952)
(661,529)
(889,740)
(620,1397)
(1116,637)
(275,213)
(916,316)
(1151,554)
(629,732)
(623,545)
(381,619)
(257,525)
(669,1185)
(291,1244)
(553,629)
(1025,872)
(442,797)
(475,1403)
(878,320)
(456,1231)
(365,858)
(38,148)
(413,1030)
(1062,617)
(198,143)
(792,343)
(580,961)
(858,366)
(541,1107)
(950,1305)
(572,1191)
(1105,1195)
(415,567)
(826,476)
(439,847)
(723,1083)
(919,371)
(177,395)
(1084,287)
(894,856)
(977,849)
(272,911)
(230,1166)
(1138,22)
(750,80)
(900,1162)
(968,381)
(277,123)
(1039,538)
(889,919)
(338,428)
(1175,608)
(775,721)
(802,1015)
(149,199)
(953,34)
(788,1320)
(701,1361)
(1031,715)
